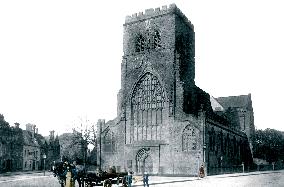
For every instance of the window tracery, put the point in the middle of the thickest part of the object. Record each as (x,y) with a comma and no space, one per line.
(148,40)
(157,39)
(189,138)
(148,94)
(147,106)
(140,43)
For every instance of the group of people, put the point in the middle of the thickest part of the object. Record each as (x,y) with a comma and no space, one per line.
(127,181)
(68,173)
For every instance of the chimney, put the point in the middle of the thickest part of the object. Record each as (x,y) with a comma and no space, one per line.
(29,127)
(17,125)
(33,131)
(51,135)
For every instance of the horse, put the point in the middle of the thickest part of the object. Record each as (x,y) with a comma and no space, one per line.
(59,172)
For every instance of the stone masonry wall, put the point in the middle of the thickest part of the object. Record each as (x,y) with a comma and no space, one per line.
(173,63)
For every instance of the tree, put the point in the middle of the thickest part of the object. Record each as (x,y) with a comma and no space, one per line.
(269,145)
(3,123)
(84,135)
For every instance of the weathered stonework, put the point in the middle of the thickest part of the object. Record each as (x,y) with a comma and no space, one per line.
(165,123)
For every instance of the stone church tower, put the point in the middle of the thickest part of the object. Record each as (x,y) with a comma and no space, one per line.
(161,125)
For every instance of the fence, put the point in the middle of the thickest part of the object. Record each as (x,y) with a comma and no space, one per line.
(240,168)
(268,167)
(225,170)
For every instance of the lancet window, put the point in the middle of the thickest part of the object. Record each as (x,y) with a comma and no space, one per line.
(157,39)
(140,43)
(147,109)
(189,138)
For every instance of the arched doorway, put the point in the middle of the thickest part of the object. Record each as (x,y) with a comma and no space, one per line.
(144,161)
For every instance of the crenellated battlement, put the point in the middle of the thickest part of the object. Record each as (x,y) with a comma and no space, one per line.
(172,8)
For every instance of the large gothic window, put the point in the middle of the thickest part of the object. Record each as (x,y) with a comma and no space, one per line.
(189,138)
(109,142)
(147,109)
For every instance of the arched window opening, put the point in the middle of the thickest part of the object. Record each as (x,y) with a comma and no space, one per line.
(149,44)
(189,138)
(147,109)
(109,142)
(140,43)
(157,39)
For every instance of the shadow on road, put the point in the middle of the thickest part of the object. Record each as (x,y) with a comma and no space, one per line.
(215,176)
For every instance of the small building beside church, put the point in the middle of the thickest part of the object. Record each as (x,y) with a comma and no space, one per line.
(23,150)
(31,148)
(165,123)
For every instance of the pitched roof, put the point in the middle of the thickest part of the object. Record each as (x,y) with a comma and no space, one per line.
(40,139)
(241,101)
(216,106)
(28,140)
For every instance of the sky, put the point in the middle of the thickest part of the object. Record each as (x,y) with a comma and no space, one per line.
(60,60)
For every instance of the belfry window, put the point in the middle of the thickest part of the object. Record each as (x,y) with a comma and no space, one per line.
(149,40)
(140,43)
(189,139)
(147,109)
(157,40)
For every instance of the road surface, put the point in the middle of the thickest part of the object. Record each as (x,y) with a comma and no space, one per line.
(268,178)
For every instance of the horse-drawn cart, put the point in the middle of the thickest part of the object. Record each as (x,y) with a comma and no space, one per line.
(104,178)
(88,179)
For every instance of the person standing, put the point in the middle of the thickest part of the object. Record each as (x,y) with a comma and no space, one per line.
(146,179)
(201,171)
(117,182)
(129,179)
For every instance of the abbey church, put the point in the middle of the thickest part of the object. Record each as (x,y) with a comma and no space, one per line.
(165,124)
